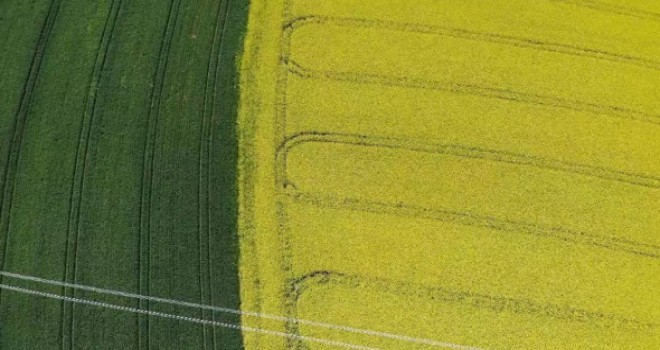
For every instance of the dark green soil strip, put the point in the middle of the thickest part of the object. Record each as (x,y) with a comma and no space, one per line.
(222,173)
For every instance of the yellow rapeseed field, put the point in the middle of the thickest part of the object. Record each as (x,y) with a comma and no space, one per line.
(451,174)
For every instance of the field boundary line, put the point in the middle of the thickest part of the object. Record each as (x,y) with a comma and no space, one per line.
(495,303)
(463,151)
(330,326)
(611,8)
(384,80)
(280,117)
(493,38)
(182,318)
(480,221)
(466,218)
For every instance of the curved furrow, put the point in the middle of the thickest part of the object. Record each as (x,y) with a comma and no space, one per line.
(80,169)
(18,128)
(204,171)
(148,169)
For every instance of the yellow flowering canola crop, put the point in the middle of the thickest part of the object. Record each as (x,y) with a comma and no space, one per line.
(457,174)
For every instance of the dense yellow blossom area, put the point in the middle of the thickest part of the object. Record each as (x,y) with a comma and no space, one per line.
(451,174)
